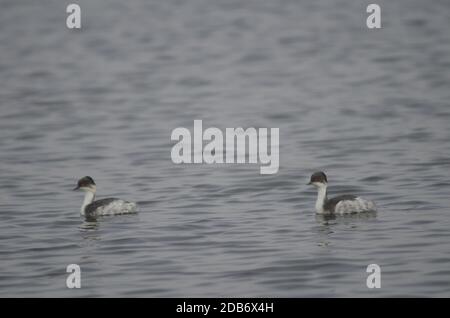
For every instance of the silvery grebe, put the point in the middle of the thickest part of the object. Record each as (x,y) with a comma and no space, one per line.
(109,206)
(343,204)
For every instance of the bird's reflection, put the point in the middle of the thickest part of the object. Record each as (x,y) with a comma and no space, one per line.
(324,219)
(327,222)
(89,229)
(90,226)
(328,219)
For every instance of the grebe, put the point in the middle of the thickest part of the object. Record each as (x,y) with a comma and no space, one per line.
(342,204)
(109,206)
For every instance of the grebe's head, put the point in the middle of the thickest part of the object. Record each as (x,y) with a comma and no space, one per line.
(86,184)
(318,179)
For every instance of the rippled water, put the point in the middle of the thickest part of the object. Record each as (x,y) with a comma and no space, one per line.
(369,107)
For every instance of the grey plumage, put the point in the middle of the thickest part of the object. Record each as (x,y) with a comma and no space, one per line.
(108,206)
(92,207)
(330,204)
(341,204)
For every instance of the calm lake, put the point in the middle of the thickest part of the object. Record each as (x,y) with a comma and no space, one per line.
(371,108)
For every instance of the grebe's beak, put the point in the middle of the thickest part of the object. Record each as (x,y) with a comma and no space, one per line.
(76,188)
(309,183)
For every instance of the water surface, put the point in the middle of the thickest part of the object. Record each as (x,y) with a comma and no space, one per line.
(369,107)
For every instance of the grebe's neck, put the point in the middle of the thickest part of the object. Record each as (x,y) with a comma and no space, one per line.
(321,198)
(88,199)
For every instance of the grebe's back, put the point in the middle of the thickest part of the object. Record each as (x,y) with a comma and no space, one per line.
(108,206)
(343,204)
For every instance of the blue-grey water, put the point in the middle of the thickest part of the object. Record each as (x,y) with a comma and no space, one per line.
(369,107)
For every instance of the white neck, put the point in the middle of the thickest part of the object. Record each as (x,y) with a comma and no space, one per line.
(321,198)
(88,199)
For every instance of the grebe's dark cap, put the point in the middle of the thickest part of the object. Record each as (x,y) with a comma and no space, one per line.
(85,182)
(318,177)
